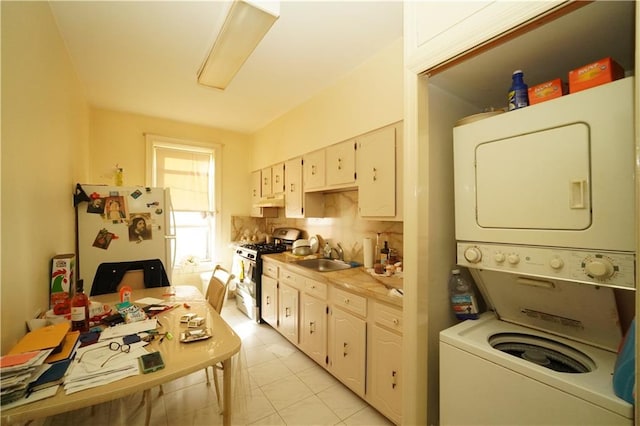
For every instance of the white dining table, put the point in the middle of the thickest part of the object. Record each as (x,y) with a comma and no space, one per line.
(180,359)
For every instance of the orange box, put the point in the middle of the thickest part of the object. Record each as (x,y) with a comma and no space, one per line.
(594,74)
(546,91)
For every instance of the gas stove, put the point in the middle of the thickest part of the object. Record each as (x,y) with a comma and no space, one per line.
(247,268)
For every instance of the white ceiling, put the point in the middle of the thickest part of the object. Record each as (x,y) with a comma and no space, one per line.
(143,56)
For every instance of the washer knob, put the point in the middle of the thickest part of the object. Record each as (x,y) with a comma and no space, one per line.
(556,263)
(513,259)
(473,254)
(599,268)
(499,257)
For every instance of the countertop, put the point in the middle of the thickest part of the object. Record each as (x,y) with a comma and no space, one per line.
(355,279)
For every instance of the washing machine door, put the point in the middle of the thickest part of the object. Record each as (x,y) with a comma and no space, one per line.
(580,312)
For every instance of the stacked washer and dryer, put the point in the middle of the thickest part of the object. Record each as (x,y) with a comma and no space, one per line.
(545,222)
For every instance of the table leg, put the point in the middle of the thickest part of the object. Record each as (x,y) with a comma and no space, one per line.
(226,392)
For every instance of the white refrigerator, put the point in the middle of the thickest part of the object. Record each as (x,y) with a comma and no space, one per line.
(123,224)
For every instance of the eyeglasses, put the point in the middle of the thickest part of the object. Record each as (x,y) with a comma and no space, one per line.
(114,346)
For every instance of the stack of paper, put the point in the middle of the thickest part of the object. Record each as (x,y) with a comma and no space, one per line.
(17,371)
(37,362)
(97,365)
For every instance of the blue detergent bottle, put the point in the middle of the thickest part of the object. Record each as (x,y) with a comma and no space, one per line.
(518,92)
(624,374)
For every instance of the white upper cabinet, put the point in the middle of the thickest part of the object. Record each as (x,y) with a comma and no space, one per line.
(266,181)
(437,31)
(256,195)
(314,170)
(293,188)
(341,163)
(379,186)
(277,178)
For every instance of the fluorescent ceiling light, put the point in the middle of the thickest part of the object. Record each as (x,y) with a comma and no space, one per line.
(244,27)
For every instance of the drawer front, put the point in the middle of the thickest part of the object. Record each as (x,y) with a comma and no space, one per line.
(316,289)
(270,269)
(349,301)
(388,316)
(292,279)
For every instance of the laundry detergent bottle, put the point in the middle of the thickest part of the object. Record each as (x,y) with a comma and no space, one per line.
(518,92)
(463,299)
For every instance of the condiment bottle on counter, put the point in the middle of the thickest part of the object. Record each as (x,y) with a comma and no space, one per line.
(518,92)
(384,254)
(80,309)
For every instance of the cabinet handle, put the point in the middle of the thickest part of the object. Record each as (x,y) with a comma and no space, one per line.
(254,192)
(344,349)
(339,163)
(268,300)
(313,169)
(312,327)
(394,380)
(375,174)
(346,301)
(396,321)
(287,312)
(292,188)
(277,178)
(265,181)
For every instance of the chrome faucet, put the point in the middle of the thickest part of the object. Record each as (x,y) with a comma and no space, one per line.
(339,252)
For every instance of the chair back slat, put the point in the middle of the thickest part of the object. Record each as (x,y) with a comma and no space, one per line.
(217,289)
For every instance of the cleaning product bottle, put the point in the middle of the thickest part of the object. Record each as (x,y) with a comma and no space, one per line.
(80,309)
(327,251)
(518,92)
(463,299)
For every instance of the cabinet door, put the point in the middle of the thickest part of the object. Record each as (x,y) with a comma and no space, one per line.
(267,188)
(277,178)
(313,324)
(348,349)
(288,312)
(438,31)
(256,194)
(386,373)
(269,310)
(377,173)
(341,163)
(314,170)
(293,188)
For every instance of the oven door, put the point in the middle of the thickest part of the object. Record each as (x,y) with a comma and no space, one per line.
(559,173)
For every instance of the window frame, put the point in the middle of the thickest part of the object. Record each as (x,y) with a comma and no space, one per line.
(152,141)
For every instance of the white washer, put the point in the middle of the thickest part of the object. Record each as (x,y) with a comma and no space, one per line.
(482,385)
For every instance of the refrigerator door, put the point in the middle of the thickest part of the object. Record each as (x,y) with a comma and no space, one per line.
(123,224)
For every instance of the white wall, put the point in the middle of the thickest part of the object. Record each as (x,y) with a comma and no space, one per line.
(44,135)
(369,97)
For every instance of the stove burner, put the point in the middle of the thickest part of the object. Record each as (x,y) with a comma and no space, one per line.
(265,248)
(544,352)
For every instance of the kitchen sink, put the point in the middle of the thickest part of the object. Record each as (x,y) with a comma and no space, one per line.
(324,265)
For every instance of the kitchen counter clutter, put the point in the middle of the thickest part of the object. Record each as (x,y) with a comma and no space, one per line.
(355,279)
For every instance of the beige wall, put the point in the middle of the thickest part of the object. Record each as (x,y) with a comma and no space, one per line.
(44,132)
(118,138)
(368,98)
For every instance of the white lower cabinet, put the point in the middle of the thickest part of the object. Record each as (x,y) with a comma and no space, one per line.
(348,349)
(385,362)
(357,339)
(313,328)
(269,310)
(288,312)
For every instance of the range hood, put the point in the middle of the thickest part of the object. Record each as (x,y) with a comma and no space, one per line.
(271,201)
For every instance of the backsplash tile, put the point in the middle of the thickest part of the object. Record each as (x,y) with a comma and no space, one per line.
(341,224)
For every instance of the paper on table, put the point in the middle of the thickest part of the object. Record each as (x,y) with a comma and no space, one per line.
(149,301)
(126,329)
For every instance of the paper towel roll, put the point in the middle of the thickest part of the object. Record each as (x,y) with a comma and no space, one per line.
(367,248)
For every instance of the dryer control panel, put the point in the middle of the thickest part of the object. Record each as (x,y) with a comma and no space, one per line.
(613,269)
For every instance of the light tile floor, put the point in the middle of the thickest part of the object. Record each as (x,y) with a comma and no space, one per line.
(274,384)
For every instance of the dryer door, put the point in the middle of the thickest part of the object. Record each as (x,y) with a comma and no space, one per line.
(535,181)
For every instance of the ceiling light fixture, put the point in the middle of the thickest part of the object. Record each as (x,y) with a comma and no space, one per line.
(245,25)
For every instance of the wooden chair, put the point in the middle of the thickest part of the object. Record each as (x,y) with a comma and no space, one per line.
(216,295)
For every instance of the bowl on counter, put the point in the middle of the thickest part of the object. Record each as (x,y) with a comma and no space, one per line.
(301,247)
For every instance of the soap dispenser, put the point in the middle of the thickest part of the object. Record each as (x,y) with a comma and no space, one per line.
(327,250)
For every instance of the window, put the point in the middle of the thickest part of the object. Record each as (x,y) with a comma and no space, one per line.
(189,170)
